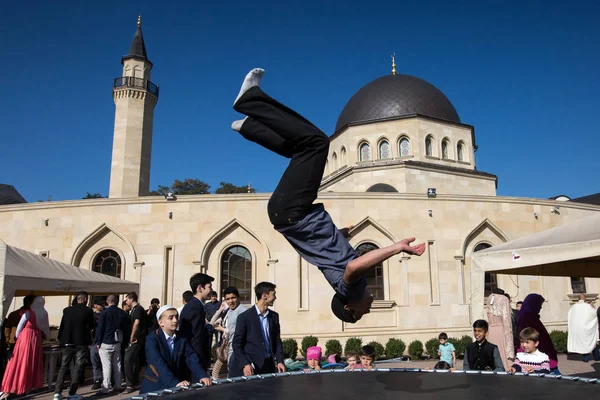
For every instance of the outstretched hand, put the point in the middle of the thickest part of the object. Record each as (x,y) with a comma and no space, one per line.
(404,245)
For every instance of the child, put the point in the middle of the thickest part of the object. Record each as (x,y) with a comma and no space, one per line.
(351,359)
(446,351)
(532,360)
(482,355)
(171,360)
(367,358)
(313,358)
(307,226)
(442,365)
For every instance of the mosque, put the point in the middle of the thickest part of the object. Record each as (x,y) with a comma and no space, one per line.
(401,163)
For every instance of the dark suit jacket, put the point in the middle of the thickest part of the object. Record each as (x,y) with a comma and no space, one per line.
(165,370)
(76,326)
(192,326)
(248,342)
(111,319)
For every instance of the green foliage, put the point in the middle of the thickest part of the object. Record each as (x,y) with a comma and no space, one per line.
(379,349)
(308,341)
(290,348)
(187,186)
(227,188)
(432,346)
(559,340)
(93,196)
(333,346)
(457,346)
(394,348)
(462,344)
(415,349)
(353,345)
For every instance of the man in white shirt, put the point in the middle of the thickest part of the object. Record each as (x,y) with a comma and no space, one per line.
(583,330)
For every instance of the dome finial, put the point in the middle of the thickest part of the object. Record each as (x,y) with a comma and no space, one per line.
(139,20)
(394,64)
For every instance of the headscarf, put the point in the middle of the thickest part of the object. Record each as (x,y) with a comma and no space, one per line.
(529,317)
(41,315)
(313,353)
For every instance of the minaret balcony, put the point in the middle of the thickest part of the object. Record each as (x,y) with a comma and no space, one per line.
(138,83)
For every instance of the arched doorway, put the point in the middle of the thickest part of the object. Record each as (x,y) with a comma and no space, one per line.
(491,280)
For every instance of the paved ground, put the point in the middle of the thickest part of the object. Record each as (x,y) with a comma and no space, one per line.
(571,365)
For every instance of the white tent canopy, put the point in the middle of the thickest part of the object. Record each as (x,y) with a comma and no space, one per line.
(568,250)
(22,273)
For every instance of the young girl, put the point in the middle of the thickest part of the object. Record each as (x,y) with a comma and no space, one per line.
(313,359)
(351,359)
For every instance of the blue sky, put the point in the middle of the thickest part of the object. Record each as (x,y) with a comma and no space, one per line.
(525,74)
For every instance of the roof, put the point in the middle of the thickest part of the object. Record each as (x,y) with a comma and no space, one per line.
(137,49)
(10,195)
(589,199)
(393,96)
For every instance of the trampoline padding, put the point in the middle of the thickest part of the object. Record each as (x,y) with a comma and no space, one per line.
(394,385)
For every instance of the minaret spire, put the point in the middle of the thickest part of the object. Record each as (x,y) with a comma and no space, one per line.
(394,64)
(139,20)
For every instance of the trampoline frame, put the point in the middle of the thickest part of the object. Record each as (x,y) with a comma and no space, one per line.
(238,379)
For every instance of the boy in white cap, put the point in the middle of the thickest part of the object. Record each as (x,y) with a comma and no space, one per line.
(171,360)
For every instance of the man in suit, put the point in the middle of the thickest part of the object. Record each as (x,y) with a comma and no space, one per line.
(113,329)
(171,359)
(257,341)
(192,324)
(74,336)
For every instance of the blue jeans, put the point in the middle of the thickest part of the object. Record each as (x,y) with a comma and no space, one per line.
(96,363)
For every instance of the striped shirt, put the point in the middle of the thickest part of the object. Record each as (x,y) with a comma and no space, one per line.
(538,360)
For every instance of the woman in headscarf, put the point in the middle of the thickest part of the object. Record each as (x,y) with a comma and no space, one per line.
(500,331)
(25,370)
(529,317)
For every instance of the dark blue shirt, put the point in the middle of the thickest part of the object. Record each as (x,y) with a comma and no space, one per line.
(111,319)
(318,241)
(211,308)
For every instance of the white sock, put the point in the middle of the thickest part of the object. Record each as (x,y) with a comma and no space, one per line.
(237,125)
(252,79)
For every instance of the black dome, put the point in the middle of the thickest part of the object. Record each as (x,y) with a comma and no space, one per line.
(396,96)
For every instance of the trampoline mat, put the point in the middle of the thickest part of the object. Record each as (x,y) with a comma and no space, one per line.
(395,385)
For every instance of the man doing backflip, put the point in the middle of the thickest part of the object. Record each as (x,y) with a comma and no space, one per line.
(307,226)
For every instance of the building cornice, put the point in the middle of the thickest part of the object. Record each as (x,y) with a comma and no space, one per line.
(264,197)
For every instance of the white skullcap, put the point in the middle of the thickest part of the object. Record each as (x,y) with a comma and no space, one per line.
(163,309)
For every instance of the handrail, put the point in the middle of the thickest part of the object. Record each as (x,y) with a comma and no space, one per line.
(140,83)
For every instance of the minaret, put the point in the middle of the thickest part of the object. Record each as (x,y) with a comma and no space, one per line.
(135,98)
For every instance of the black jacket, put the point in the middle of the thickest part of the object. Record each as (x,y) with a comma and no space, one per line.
(192,326)
(111,319)
(76,326)
(249,343)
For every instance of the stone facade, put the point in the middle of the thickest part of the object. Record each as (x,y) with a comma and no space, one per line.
(422,295)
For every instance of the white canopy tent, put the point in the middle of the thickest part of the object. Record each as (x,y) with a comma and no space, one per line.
(568,250)
(22,273)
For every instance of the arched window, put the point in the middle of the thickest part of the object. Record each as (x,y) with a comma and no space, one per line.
(428,146)
(365,152)
(460,148)
(326,170)
(334,162)
(491,280)
(108,262)
(343,159)
(375,275)
(236,270)
(384,149)
(445,149)
(404,148)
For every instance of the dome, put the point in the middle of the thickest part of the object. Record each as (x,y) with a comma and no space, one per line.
(394,96)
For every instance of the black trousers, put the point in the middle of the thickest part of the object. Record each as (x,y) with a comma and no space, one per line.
(70,353)
(285,132)
(132,363)
(268,367)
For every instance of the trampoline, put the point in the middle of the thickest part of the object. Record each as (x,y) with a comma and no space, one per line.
(392,383)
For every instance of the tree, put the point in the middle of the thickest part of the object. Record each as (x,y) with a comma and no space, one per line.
(188,186)
(93,196)
(228,188)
